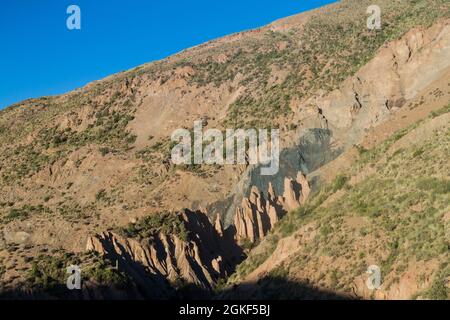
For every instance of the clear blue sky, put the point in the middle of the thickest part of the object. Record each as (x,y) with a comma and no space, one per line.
(39,56)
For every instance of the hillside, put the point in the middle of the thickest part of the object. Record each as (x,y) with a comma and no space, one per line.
(86,177)
(390,209)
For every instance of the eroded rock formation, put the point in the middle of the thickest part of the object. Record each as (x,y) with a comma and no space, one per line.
(162,262)
(166,261)
(257,215)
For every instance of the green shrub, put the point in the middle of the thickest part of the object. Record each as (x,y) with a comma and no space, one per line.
(440,112)
(163,222)
(417,153)
(435,185)
(104,151)
(24,212)
(49,272)
(105,274)
(100,195)
(438,289)
(339,182)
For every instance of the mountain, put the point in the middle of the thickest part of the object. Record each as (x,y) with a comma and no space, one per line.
(86,178)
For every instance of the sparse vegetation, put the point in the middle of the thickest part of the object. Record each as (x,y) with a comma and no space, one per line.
(438,289)
(401,206)
(24,212)
(163,222)
(78,154)
(339,182)
(440,112)
(49,272)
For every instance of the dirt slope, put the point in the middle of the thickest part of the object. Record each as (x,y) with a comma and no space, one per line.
(77,169)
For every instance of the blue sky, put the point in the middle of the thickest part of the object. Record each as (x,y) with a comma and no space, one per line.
(39,56)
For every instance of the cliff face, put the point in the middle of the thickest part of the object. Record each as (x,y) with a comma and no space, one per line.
(258,215)
(388,82)
(166,261)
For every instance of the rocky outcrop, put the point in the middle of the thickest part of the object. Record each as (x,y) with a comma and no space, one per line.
(165,262)
(388,81)
(258,215)
(295,192)
(218,226)
(162,263)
